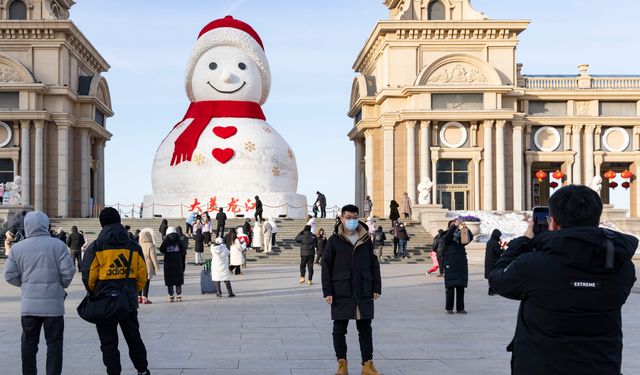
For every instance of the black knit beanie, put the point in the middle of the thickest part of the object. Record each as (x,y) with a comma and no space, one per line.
(108,216)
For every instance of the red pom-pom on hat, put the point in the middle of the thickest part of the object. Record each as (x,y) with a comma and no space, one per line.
(233,23)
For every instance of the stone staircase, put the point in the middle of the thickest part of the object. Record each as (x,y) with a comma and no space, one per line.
(286,250)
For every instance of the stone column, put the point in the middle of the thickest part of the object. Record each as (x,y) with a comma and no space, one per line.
(388,167)
(84,172)
(476,183)
(368,160)
(25,162)
(529,185)
(577,148)
(16,170)
(518,186)
(598,138)
(425,150)
(567,137)
(637,173)
(411,161)
(39,166)
(63,170)
(96,178)
(434,179)
(500,171)
(100,148)
(474,134)
(488,165)
(588,166)
(359,183)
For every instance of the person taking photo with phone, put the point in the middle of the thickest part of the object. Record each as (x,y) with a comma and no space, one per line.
(572,281)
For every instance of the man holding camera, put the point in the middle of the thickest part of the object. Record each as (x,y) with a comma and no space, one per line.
(572,281)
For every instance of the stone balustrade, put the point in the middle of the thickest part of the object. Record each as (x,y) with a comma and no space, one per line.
(573,83)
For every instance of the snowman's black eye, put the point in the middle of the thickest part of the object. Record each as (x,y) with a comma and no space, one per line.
(242,66)
(213,66)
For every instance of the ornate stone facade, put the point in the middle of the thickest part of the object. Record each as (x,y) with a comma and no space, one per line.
(53,108)
(447,101)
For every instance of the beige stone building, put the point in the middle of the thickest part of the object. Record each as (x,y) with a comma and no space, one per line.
(53,108)
(440,95)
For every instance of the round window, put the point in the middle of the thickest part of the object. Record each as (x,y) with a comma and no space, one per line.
(453,135)
(5,134)
(615,139)
(547,139)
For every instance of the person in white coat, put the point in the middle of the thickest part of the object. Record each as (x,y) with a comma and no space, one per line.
(237,255)
(274,230)
(312,223)
(220,267)
(256,242)
(267,231)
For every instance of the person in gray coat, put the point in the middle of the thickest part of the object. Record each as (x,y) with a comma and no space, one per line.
(41,266)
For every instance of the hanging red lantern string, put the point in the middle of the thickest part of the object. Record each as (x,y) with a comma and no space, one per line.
(558,175)
(613,185)
(541,175)
(626,185)
(626,174)
(553,185)
(609,175)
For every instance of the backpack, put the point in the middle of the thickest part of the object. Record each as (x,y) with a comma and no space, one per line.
(378,236)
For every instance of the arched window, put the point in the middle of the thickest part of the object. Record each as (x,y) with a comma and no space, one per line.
(437,11)
(17,10)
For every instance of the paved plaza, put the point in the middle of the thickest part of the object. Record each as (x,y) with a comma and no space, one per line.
(277,326)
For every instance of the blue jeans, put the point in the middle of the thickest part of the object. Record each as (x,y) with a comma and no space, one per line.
(402,249)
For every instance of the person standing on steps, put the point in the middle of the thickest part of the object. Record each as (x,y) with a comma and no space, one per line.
(164,225)
(106,253)
(308,243)
(378,241)
(173,249)
(350,283)
(274,230)
(403,239)
(322,201)
(492,253)
(258,214)
(406,206)
(75,241)
(267,231)
(246,227)
(42,268)
(394,214)
(256,241)
(368,206)
(221,219)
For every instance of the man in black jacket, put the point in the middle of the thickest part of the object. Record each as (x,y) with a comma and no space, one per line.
(103,272)
(221,218)
(308,243)
(572,282)
(258,214)
(350,283)
(75,241)
(322,202)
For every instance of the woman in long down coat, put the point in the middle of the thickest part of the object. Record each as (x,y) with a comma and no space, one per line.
(394,215)
(151,260)
(406,206)
(173,249)
(492,254)
(198,239)
(220,266)
(163,228)
(256,242)
(456,268)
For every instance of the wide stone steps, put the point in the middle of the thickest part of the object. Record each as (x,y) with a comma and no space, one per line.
(286,250)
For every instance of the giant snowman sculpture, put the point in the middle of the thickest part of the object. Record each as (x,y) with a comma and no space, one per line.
(224,153)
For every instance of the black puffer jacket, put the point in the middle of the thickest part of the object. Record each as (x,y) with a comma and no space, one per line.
(351,274)
(569,320)
(394,213)
(198,240)
(492,252)
(75,240)
(322,242)
(173,249)
(456,268)
(308,242)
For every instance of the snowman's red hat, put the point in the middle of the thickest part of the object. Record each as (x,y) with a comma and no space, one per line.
(230,32)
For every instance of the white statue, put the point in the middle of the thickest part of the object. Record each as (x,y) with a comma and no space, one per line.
(15,191)
(424,189)
(596,184)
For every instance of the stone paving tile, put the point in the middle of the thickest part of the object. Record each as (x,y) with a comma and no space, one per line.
(277,326)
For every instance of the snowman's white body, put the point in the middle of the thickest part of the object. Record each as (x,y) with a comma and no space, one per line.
(262,164)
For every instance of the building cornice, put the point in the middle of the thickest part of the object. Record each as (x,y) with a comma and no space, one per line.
(468,31)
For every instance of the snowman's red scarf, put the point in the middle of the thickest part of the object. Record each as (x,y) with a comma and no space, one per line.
(202,113)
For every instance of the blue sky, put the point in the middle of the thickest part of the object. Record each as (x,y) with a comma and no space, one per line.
(311,46)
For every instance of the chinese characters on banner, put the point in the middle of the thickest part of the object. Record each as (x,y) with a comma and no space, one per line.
(232,206)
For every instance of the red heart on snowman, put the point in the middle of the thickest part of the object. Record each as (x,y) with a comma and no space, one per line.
(223,155)
(225,132)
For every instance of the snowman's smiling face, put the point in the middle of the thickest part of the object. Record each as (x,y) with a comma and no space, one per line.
(226,73)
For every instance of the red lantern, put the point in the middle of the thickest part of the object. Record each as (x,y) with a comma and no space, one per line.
(613,185)
(553,185)
(558,175)
(541,175)
(626,174)
(626,185)
(610,175)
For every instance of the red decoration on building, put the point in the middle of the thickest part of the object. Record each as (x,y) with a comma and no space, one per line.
(541,175)
(609,175)
(558,175)
(626,174)
(233,206)
(195,206)
(613,185)
(626,185)
(213,205)
(553,185)
(249,205)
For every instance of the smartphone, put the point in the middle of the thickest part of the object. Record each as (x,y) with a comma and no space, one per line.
(540,215)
